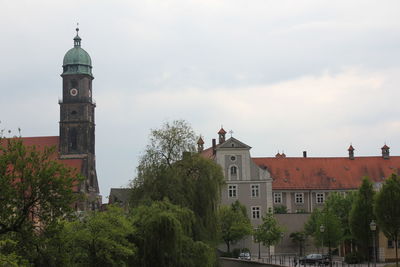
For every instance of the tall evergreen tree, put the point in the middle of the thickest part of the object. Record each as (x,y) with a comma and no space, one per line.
(387,210)
(361,215)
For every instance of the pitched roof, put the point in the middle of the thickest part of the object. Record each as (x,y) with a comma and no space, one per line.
(207,153)
(327,173)
(119,195)
(41,142)
(222,131)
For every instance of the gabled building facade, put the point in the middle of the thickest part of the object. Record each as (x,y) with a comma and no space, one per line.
(246,182)
(294,185)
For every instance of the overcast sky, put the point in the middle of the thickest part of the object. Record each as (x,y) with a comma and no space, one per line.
(283,75)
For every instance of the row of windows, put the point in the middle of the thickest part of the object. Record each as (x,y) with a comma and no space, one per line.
(233,190)
(299,198)
(390,244)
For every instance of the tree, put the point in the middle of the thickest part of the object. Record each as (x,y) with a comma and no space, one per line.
(299,238)
(341,205)
(8,257)
(310,227)
(162,235)
(332,233)
(35,189)
(329,217)
(168,144)
(99,239)
(268,232)
(361,215)
(234,223)
(387,210)
(186,179)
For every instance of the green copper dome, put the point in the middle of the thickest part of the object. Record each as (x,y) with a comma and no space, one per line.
(77,60)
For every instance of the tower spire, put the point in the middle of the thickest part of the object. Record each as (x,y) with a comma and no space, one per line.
(77,39)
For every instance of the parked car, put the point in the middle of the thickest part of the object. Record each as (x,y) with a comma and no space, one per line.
(244,256)
(314,259)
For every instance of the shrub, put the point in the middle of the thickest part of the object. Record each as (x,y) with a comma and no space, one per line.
(353,257)
(280,210)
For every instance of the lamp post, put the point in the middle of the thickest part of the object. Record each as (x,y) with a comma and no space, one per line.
(372,226)
(322,230)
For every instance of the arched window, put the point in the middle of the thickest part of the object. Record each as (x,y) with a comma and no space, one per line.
(233,170)
(73,139)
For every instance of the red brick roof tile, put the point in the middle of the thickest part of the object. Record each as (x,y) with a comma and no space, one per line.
(49,141)
(327,173)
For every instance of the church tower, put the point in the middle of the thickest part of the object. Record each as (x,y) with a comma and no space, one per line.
(77,124)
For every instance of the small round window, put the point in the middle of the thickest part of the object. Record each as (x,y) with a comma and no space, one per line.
(233,158)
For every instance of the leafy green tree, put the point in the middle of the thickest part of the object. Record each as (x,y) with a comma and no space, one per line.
(100,239)
(361,215)
(162,235)
(332,234)
(330,218)
(387,210)
(234,223)
(199,182)
(341,205)
(35,190)
(168,144)
(299,238)
(269,233)
(186,179)
(8,255)
(310,227)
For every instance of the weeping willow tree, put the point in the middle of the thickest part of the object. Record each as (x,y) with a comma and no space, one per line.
(162,235)
(169,169)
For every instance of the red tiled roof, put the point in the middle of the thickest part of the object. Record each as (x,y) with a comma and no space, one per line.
(327,173)
(207,153)
(48,141)
(222,131)
(41,141)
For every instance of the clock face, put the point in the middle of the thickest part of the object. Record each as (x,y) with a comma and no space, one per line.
(73,91)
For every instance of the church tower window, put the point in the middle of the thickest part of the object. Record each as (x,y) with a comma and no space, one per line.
(73,139)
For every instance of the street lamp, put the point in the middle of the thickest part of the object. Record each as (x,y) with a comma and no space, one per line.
(322,230)
(372,226)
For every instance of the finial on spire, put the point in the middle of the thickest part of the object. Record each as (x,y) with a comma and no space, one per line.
(77,39)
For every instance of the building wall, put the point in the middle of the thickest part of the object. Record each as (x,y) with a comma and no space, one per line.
(249,176)
(386,252)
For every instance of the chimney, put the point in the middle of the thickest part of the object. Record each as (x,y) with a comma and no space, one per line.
(351,152)
(304,154)
(214,145)
(385,152)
